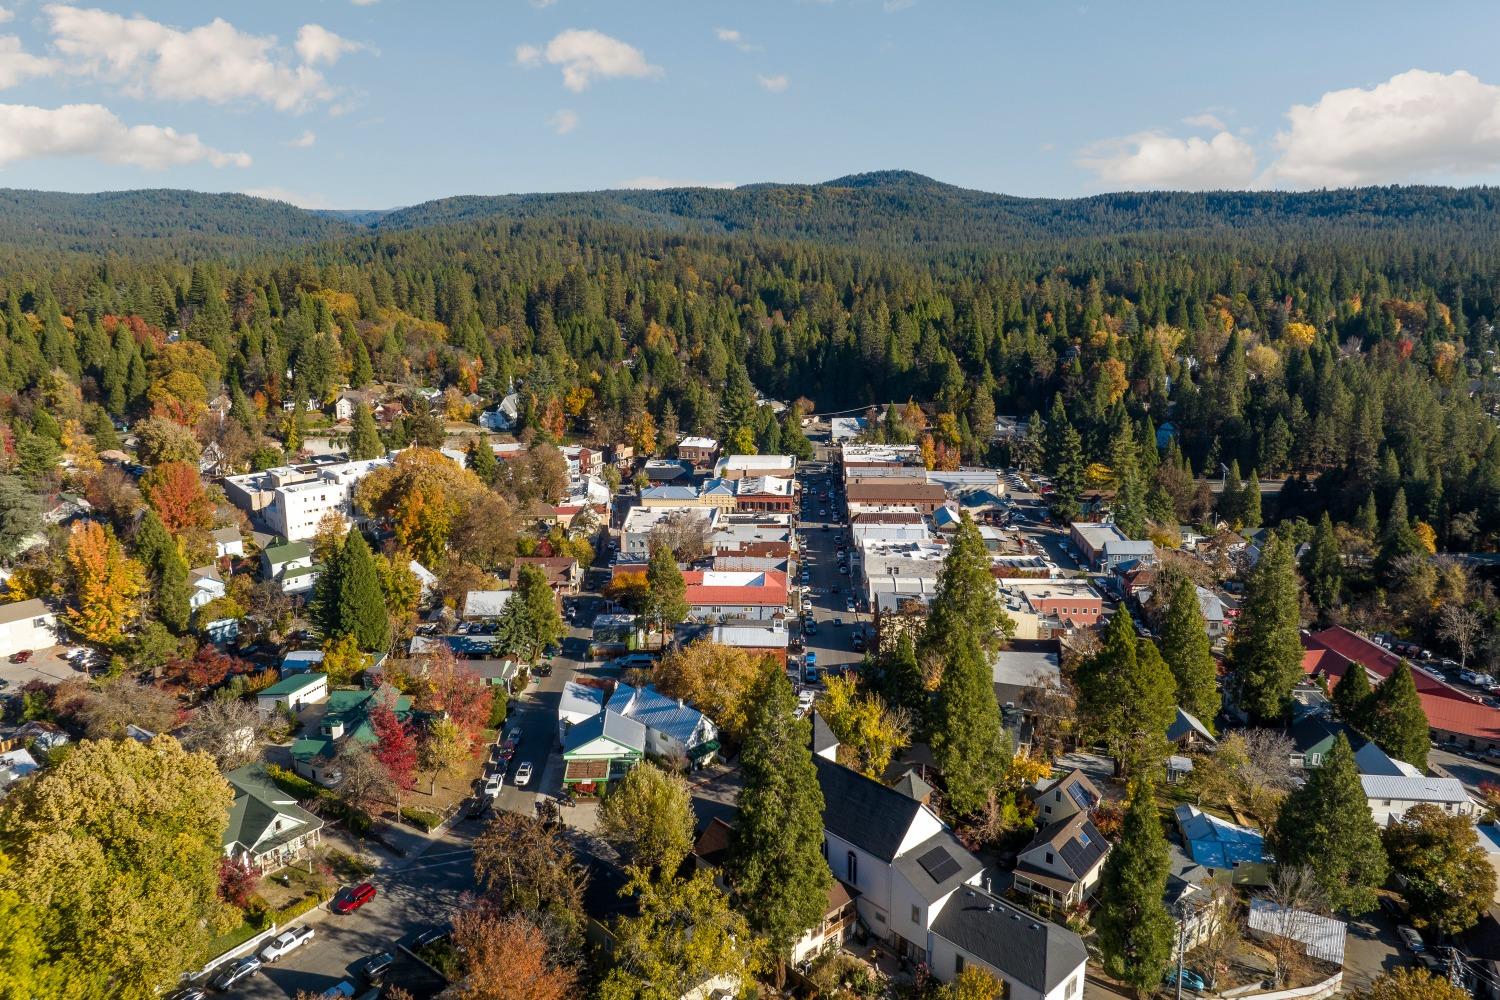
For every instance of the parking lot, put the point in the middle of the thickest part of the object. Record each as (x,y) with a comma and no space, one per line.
(43,665)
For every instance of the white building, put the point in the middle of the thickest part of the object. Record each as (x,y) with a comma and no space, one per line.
(745,466)
(26,625)
(227,542)
(1390,796)
(290,501)
(639,523)
(293,692)
(208,585)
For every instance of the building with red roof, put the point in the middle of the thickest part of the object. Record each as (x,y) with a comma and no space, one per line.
(1453,716)
(722,594)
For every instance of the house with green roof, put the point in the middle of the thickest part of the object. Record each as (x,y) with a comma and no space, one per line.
(267,829)
(291,565)
(292,693)
(602,749)
(347,718)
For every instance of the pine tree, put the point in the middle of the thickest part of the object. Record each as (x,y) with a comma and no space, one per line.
(361,608)
(1250,502)
(323,606)
(1266,655)
(364,436)
(665,603)
(1232,497)
(968,745)
(1066,452)
(1398,538)
(1351,696)
(1185,647)
(157,551)
(482,460)
(966,599)
(362,374)
(1395,719)
(1135,930)
(1127,696)
(1323,566)
(776,864)
(1368,521)
(1326,825)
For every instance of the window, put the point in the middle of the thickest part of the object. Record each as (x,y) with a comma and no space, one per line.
(1072,990)
(915,917)
(853,869)
(958,965)
(1049,857)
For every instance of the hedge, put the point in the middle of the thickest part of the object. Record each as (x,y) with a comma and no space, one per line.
(298,907)
(292,783)
(425,819)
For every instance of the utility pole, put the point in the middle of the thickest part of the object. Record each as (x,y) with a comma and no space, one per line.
(1181,944)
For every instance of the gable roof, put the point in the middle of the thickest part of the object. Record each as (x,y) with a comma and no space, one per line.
(609,725)
(1078,843)
(258,807)
(822,734)
(19,610)
(485,603)
(1217,843)
(1074,784)
(293,684)
(864,812)
(1033,951)
(1186,724)
(286,552)
(1420,788)
(938,865)
(656,711)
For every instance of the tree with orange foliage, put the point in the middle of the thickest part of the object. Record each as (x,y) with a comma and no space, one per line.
(508,958)
(447,687)
(106,586)
(175,491)
(628,590)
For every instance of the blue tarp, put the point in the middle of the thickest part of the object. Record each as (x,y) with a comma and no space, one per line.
(1217,843)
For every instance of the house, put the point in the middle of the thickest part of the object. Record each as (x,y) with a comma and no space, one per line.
(207,586)
(290,501)
(745,466)
(26,625)
(700,451)
(1091,536)
(673,728)
(291,565)
(1127,553)
(562,572)
(577,703)
(1217,843)
(1390,796)
(715,594)
(1025,666)
(602,749)
(292,693)
(1313,736)
(505,416)
(1187,733)
(1033,958)
(711,850)
(426,578)
(480,605)
(300,660)
(228,542)
(346,402)
(1215,613)
(1455,719)
(1063,862)
(267,829)
(1063,797)
(347,718)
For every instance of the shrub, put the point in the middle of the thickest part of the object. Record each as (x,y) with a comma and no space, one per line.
(424,819)
(293,784)
(296,908)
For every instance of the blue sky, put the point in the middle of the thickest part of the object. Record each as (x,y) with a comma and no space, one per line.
(342,103)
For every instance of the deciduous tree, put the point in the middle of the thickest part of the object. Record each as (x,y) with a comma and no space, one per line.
(507,958)
(528,868)
(649,816)
(715,679)
(106,586)
(175,491)
(1449,883)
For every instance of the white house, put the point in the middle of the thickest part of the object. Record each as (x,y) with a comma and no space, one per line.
(920,890)
(576,704)
(207,586)
(1390,796)
(480,604)
(267,829)
(673,727)
(227,542)
(27,625)
(290,565)
(504,416)
(293,692)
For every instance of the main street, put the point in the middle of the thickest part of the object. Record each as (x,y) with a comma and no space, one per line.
(823,524)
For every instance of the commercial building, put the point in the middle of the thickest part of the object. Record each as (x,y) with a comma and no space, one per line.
(641,521)
(290,501)
(27,625)
(746,466)
(712,594)
(870,497)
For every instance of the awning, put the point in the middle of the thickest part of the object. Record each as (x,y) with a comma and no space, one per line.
(703,751)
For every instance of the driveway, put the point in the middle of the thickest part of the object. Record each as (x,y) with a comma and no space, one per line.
(1371,948)
(44,665)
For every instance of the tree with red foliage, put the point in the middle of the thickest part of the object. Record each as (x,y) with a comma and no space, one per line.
(510,957)
(395,748)
(175,491)
(238,881)
(449,688)
(208,668)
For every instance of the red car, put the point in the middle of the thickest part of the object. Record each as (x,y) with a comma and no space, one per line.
(20,657)
(351,898)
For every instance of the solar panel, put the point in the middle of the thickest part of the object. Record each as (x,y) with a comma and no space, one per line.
(1081,797)
(938,864)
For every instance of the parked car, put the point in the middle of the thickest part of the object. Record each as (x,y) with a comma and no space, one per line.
(351,898)
(235,971)
(430,936)
(339,990)
(188,993)
(286,942)
(1411,939)
(838,623)
(1190,980)
(523,774)
(372,967)
(859,643)
(493,785)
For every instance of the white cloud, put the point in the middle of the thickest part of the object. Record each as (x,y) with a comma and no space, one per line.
(1157,160)
(1417,124)
(316,44)
(6,14)
(91,130)
(891,6)
(654,183)
(299,198)
(364,3)
(303,141)
(563,121)
(17,65)
(586,55)
(731,36)
(775,84)
(542,4)
(1206,120)
(215,62)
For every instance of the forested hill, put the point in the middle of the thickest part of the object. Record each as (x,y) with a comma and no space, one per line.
(898,208)
(888,210)
(183,224)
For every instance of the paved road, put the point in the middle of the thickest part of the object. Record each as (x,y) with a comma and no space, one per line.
(412,896)
(821,534)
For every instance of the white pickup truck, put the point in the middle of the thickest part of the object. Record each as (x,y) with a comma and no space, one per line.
(286,942)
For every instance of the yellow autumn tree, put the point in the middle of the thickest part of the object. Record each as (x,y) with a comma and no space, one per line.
(1111,379)
(1427,536)
(641,430)
(106,585)
(714,679)
(1300,334)
(870,732)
